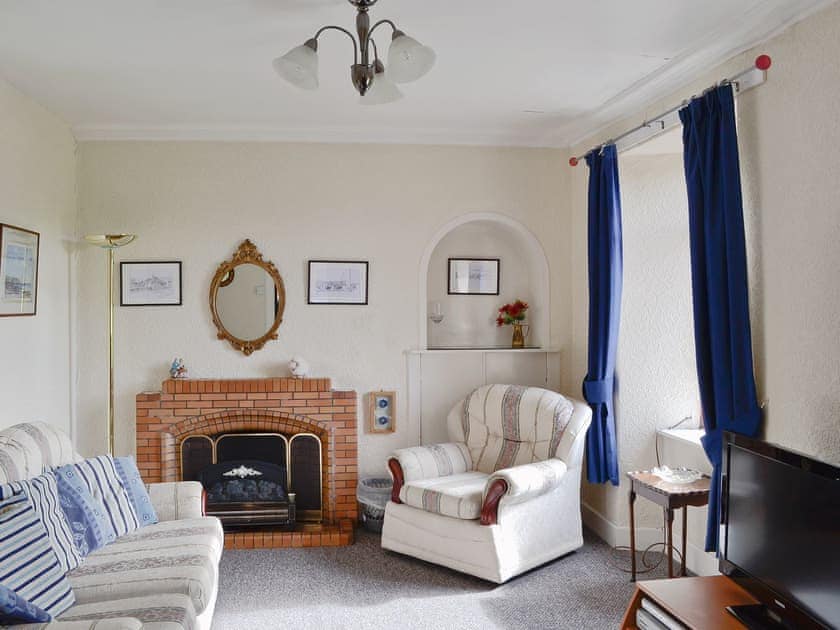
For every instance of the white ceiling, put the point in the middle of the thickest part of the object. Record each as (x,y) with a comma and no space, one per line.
(202,68)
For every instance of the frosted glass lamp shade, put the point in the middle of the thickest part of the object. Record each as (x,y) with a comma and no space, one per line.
(382,91)
(408,59)
(299,66)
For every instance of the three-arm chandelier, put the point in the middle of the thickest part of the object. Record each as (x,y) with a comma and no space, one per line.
(408,60)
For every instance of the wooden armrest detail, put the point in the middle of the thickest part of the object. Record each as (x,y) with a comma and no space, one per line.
(490,509)
(399,479)
(203,502)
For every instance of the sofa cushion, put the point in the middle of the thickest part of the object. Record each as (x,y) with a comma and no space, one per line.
(16,609)
(510,425)
(458,496)
(105,576)
(86,516)
(158,612)
(100,476)
(42,492)
(27,449)
(141,503)
(203,533)
(28,564)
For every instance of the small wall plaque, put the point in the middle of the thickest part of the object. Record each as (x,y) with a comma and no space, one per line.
(383,412)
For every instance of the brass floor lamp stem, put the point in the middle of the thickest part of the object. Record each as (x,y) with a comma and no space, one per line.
(110,429)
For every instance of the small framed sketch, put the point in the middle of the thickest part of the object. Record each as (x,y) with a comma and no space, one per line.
(338,282)
(18,271)
(150,283)
(383,412)
(473,276)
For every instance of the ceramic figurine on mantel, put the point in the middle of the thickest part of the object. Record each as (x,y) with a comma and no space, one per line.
(514,315)
(298,367)
(178,369)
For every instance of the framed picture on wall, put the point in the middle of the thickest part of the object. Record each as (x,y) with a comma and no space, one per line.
(383,416)
(473,276)
(18,271)
(338,282)
(147,283)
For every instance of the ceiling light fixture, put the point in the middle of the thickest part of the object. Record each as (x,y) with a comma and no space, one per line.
(408,60)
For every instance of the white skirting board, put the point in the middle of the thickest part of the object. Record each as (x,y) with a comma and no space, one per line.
(699,562)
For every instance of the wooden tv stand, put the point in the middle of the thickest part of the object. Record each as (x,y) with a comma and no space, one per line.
(697,602)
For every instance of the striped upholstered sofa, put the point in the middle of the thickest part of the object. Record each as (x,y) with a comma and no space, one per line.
(159,577)
(503,496)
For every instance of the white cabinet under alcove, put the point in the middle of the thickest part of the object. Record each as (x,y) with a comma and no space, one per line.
(438,379)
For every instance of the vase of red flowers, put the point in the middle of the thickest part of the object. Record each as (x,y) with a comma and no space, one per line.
(514,315)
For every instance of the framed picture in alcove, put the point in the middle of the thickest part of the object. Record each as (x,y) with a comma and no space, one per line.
(382,417)
(18,271)
(473,276)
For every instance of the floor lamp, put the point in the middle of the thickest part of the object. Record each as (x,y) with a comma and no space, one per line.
(110,242)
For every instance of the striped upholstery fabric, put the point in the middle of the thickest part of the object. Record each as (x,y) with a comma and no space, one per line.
(42,492)
(100,476)
(28,564)
(26,450)
(458,496)
(436,460)
(510,425)
(159,612)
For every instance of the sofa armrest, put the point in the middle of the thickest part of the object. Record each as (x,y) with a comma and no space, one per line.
(175,500)
(115,623)
(519,484)
(427,462)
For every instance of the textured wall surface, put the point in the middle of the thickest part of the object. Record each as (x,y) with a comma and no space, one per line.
(38,192)
(789,131)
(197,201)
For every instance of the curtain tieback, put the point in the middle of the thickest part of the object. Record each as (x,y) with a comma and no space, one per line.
(598,392)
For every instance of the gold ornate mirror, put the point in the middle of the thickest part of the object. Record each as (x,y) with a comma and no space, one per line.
(247,299)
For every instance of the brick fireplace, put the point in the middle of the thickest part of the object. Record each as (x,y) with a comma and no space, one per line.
(286,406)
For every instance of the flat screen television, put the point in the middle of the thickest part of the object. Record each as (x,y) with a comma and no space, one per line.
(781,534)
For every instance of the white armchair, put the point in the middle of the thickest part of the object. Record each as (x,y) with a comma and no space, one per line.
(504,495)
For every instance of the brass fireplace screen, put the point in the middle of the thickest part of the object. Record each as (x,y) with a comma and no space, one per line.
(300,455)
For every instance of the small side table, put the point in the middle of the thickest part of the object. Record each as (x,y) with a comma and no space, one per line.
(670,496)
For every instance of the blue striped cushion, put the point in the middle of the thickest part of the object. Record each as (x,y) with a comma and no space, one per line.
(101,478)
(15,609)
(87,518)
(136,490)
(28,564)
(43,496)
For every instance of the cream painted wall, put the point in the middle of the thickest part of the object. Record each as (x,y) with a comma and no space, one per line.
(789,130)
(38,192)
(197,201)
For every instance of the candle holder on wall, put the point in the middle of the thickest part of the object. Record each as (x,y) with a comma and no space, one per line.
(437,313)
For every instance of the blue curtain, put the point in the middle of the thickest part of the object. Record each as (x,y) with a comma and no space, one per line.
(719,280)
(605,265)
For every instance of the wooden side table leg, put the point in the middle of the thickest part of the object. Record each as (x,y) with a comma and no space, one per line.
(684,537)
(632,534)
(670,541)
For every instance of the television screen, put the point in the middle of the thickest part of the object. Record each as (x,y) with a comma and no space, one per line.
(782,529)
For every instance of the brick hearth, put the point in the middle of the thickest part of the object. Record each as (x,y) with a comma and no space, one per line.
(281,405)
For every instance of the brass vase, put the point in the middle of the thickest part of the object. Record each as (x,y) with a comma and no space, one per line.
(518,340)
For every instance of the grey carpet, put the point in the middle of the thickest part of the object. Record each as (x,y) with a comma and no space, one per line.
(363,586)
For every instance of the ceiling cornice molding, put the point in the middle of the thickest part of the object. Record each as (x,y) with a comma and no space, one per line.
(326,135)
(755,26)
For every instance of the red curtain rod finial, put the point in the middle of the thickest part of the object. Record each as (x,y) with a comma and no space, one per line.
(573,161)
(763,62)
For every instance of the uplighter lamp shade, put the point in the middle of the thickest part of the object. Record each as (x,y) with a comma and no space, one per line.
(382,91)
(299,67)
(408,59)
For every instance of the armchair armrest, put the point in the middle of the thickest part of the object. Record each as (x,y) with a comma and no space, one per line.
(519,484)
(175,500)
(427,462)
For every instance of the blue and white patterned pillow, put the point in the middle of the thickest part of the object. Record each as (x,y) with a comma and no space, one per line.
(15,609)
(43,496)
(89,524)
(101,479)
(136,490)
(29,566)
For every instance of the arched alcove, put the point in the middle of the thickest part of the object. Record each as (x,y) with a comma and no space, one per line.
(468,320)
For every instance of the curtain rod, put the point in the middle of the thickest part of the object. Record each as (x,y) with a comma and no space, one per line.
(762,63)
